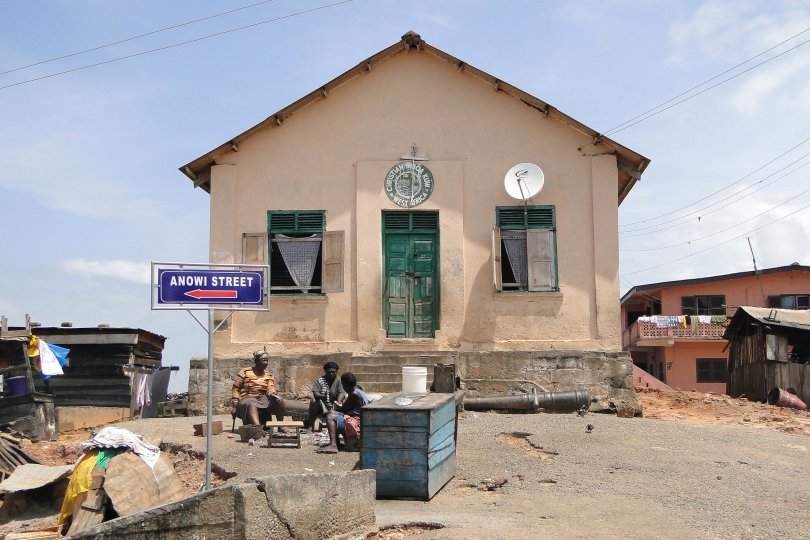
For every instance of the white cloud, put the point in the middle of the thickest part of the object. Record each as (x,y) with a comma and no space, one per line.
(132,271)
(722,33)
(774,83)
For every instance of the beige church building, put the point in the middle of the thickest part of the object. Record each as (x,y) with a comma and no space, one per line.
(416,205)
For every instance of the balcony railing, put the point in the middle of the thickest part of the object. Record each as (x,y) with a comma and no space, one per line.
(638,332)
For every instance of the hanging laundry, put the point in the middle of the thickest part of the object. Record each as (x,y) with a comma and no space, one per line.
(694,322)
(666,321)
(718,319)
(51,359)
(33,346)
(705,319)
(682,321)
(143,389)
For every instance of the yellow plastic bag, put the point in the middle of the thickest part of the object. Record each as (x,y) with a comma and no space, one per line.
(80,482)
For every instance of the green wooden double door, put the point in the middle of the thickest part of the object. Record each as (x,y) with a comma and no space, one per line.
(411,298)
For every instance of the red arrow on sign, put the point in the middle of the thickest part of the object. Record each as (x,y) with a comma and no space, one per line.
(199,293)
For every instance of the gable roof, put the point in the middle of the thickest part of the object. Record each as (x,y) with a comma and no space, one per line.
(655,287)
(630,164)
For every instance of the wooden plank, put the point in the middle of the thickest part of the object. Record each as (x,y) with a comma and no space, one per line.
(444,449)
(85,518)
(421,402)
(442,473)
(170,486)
(410,462)
(89,339)
(403,488)
(405,437)
(130,484)
(284,423)
(394,437)
(106,383)
(439,437)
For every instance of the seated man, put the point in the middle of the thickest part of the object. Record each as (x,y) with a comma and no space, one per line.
(346,413)
(327,391)
(253,397)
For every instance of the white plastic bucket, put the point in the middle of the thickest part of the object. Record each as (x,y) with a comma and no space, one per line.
(414,379)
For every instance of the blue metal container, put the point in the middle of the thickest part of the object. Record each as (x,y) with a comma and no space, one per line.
(409,439)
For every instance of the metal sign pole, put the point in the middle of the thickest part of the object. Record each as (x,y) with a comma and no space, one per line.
(210,406)
(209,287)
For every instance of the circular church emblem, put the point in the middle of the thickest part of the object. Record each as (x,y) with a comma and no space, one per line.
(408,184)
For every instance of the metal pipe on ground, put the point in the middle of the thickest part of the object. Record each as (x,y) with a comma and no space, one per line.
(548,401)
(783,398)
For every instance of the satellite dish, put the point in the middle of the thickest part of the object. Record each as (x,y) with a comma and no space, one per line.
(523,181)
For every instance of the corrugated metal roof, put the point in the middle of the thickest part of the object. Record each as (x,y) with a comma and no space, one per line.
(786,318)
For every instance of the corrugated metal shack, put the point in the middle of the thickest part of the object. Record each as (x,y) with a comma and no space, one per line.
(101,361)
(30,413)
(768,348)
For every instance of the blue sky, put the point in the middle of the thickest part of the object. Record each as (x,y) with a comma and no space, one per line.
(89,187)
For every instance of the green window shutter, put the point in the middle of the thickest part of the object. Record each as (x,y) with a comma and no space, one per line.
(332,262)
(399,221)
(497,272)
(411,221)
(541,260)
(296,221)
(254,248)
(525,217)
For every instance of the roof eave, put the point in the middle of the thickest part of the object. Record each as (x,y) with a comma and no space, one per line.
(631,165)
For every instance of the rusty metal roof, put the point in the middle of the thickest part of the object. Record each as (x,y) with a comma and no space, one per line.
(793,322)
(787,318)
(630,164)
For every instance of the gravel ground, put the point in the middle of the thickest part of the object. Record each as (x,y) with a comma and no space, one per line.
(629,478)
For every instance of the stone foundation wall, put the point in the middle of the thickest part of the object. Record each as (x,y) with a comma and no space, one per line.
(608,376)
(305,507)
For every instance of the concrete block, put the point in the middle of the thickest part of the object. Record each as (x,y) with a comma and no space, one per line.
(211,514)
(303,507)
(318,506)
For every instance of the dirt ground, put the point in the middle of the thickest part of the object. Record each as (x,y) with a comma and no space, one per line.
(524,473)
(700,408)
(189,465)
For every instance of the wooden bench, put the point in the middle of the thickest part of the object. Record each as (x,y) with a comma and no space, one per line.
(274,438)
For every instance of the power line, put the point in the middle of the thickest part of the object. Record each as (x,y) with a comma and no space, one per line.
(644,294)
(614,131)
(719,190)
(718,245)
(178,44)
(729,70)
(747,219)
(705,210)
(132,38)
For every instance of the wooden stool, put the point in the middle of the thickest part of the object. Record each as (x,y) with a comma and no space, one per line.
(274,438)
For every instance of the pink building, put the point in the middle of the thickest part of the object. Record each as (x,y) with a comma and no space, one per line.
(674,329)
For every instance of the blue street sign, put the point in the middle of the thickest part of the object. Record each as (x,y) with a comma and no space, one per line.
(210,287)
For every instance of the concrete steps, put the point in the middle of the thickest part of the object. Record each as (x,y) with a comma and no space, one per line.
(382,373)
